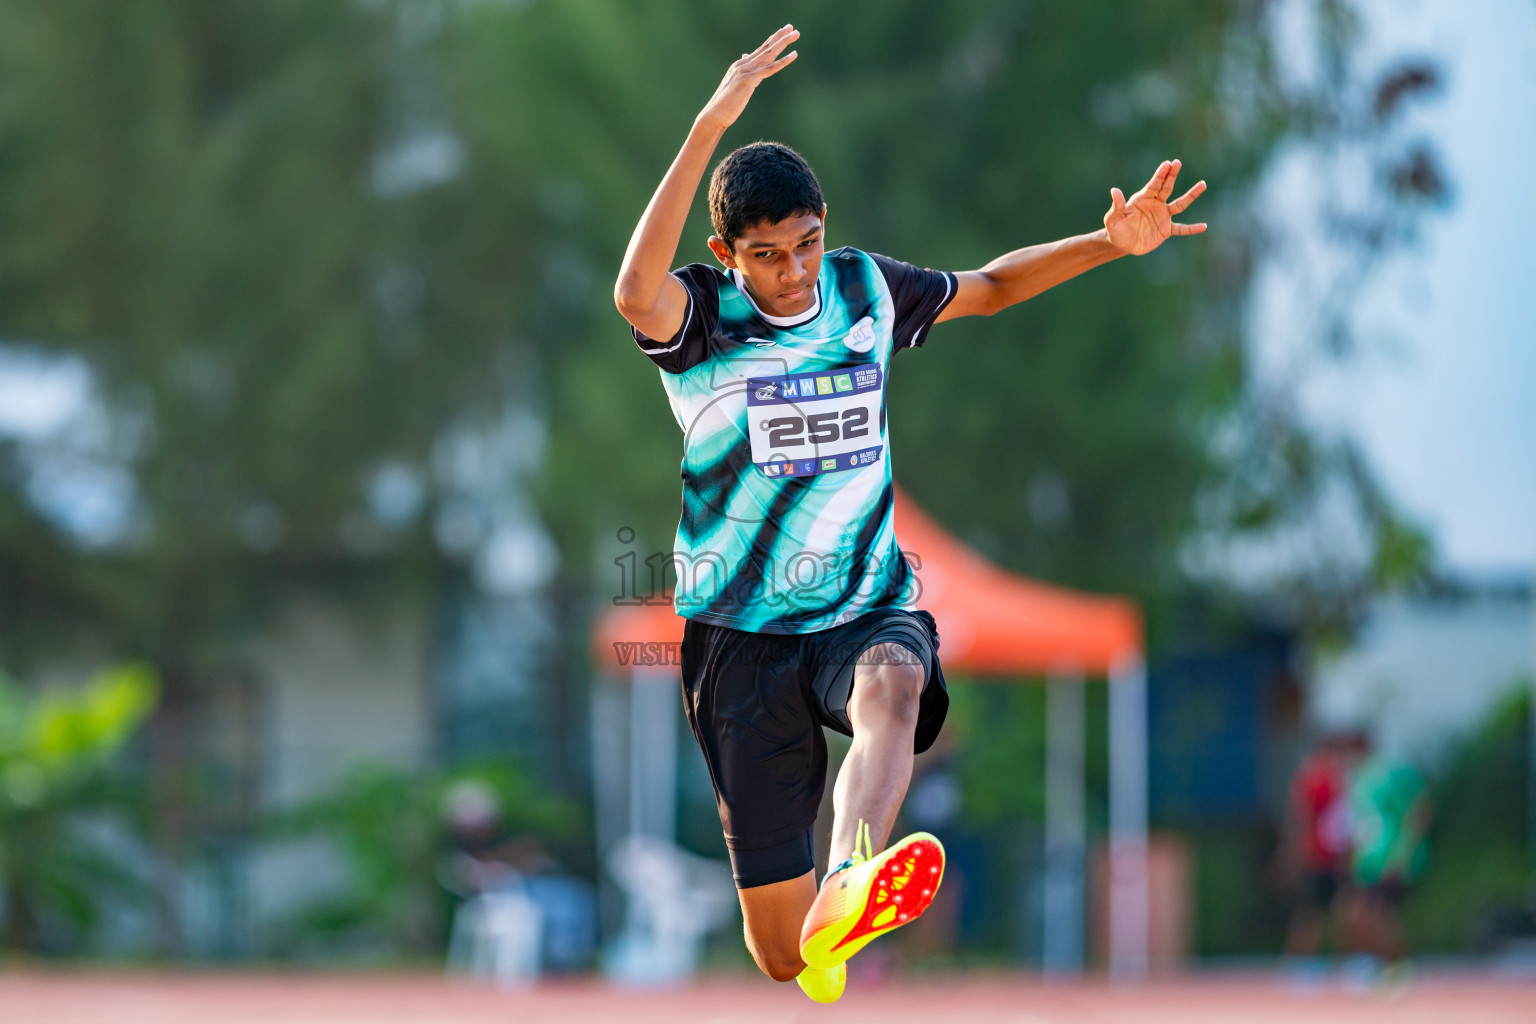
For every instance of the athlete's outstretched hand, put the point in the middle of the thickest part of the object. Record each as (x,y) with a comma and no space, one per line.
(730,99)
(1141,225)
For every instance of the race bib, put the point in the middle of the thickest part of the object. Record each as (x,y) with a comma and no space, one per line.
(805,424)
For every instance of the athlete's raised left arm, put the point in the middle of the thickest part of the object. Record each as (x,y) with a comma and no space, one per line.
(1131,228)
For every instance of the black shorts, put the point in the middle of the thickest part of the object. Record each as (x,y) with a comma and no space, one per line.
(757,702)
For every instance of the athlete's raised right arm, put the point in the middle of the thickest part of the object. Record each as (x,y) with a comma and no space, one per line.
(646,293)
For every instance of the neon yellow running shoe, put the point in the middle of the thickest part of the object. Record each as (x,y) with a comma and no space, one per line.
(866,896)
(824,985)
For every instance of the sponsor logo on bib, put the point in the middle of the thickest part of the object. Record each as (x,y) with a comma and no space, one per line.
(861,336)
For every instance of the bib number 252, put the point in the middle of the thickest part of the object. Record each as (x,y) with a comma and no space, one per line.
(818,428)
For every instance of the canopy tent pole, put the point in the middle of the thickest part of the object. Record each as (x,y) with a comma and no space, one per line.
(1129,895)
(610,730)
(1066,830)
(653,753)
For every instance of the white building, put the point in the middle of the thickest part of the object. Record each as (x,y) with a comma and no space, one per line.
(1426,670)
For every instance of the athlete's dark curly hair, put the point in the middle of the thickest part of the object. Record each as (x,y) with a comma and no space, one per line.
(766,181)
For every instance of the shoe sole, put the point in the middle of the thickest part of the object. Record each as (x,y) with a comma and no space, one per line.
(898,892)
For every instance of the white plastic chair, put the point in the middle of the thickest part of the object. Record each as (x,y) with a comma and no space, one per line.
(496,937)
(673,899)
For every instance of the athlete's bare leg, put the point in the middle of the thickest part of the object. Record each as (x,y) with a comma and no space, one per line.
(772,916)
(887,685)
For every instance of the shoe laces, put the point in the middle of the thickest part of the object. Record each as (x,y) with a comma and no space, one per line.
(863,850)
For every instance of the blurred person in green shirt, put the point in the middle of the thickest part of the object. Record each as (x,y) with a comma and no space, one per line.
(1390,811)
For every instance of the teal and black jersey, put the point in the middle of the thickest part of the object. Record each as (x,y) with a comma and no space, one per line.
(786,523)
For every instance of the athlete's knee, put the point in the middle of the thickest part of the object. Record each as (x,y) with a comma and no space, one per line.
(779,960)
(888,683)
(783,969)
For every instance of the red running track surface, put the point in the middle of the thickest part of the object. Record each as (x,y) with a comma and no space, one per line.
(70,997)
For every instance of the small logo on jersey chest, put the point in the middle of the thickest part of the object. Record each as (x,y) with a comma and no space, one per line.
(861,336)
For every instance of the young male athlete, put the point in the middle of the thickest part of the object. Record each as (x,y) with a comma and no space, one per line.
(798,601)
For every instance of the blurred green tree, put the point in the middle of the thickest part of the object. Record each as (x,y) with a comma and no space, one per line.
(224,209)
(1477,886)
(54,752)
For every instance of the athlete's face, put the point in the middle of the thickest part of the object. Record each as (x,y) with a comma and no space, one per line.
(779,261)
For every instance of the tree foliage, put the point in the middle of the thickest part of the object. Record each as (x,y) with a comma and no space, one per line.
(55,750)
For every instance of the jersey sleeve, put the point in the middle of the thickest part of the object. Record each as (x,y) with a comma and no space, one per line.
(690,345)
(919,296)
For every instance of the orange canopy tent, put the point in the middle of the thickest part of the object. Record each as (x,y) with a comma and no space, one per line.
(991,622)
(999,624)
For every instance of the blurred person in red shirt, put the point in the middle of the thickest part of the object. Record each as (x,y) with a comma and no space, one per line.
(1320,838)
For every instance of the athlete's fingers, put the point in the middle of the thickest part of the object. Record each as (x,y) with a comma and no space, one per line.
(1174,167)
(776,65)
(1187,229)
(749,61)
(1154,186)
(764,66)
(1117,199)
(763,46)
(779,46)
(780,39)
(1180,204)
